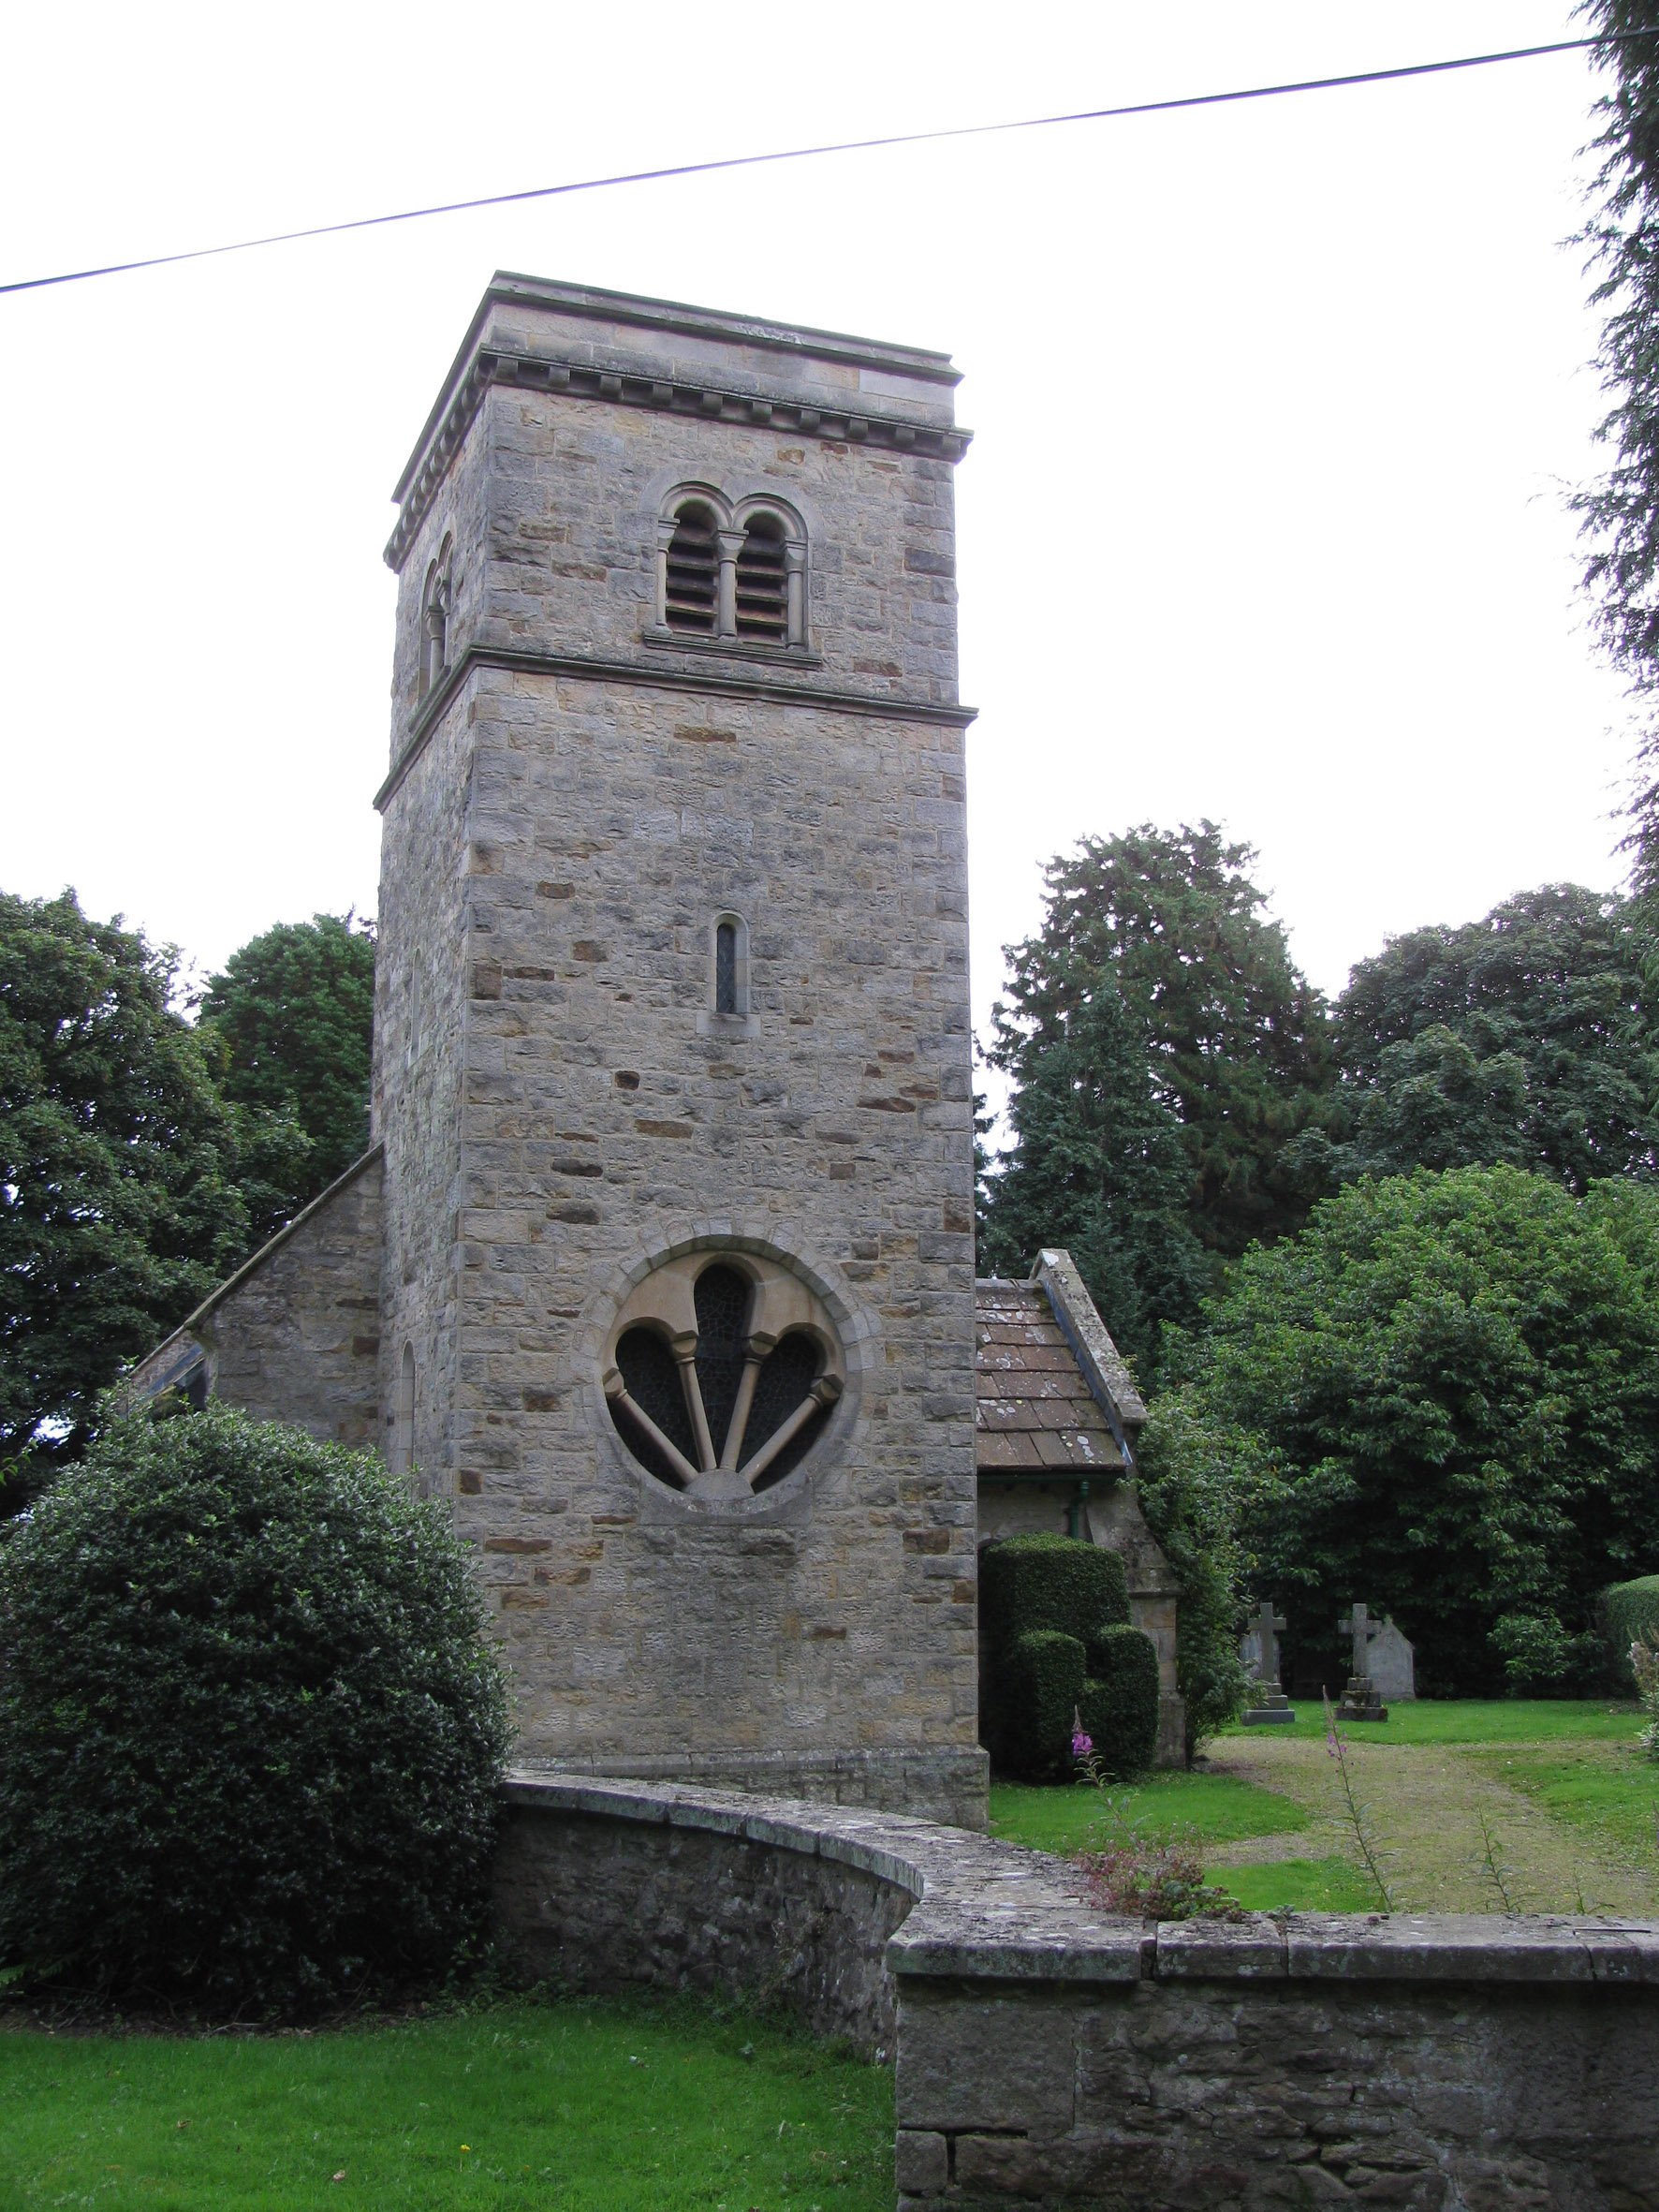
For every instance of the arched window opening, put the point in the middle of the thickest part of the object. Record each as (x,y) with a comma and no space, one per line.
(434,621)
(692,596)
(763,583)
(728,971)
(726,968)
(403,1434)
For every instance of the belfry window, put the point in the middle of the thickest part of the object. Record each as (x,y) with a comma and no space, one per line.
(435,620)
(692,597)
(731,573)
(763,583)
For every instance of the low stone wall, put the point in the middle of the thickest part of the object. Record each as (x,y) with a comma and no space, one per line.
(1051,2057)
(947,1786)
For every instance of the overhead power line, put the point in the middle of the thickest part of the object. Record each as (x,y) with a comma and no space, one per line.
(911,138)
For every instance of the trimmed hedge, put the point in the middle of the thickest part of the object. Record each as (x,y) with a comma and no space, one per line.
(1056,1612)
(1049,1582)
(250,1731)
(1120,1703)
(1630,1615)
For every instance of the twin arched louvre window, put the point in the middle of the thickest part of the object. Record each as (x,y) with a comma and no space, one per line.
(434,619)
(736,576)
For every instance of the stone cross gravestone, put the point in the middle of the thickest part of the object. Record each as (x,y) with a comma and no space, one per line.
(1361,1701)
(1268,1704)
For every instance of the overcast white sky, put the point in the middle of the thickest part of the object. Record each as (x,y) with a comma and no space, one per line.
(1276,406)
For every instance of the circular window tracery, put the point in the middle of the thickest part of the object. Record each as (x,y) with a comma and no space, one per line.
(721,1372)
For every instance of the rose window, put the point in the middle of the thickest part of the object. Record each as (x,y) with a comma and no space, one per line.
(721,1373)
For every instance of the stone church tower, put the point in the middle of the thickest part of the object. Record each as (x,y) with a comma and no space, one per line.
(660,1266)
(672,1038)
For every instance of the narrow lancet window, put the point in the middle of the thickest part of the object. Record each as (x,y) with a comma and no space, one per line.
(725,968)
(402,1435)
(692,596)
(434,621)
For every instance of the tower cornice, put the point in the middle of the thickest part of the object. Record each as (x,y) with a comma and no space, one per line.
(810,383)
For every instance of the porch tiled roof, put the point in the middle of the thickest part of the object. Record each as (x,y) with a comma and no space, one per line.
(1036,1411)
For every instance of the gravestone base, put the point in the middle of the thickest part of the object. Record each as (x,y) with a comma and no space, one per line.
(1360,1702)
(1270,1714)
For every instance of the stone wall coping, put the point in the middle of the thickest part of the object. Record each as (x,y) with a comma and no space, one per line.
(992,1911)
(1104,1368)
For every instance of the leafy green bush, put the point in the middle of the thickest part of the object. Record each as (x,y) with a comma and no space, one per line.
(1629,1613)
(250,1733)
(1056,1614)
(1644,1665)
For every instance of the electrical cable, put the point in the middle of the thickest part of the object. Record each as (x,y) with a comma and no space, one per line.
(913,137)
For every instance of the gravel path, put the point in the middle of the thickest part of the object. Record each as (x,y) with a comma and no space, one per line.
(1423,1806)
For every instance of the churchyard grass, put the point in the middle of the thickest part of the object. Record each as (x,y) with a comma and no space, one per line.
(1557,1789)
(1216,1808)
(1610,1792)
(1297,1885)
(1473,1720)
(680,2106)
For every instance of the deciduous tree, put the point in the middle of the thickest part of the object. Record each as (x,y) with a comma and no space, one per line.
(1523,1036)
(293,1015)
(1443,1397)
(119,1207)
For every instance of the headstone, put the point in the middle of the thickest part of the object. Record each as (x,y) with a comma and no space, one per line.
(1360,1699)
(1260,1647)
(1392,1663)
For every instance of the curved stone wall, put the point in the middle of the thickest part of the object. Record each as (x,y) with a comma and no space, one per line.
(1049,2056)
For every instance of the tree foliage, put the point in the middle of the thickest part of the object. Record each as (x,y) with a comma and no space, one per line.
(293,1015)
(1443,1398)
(1619,513)
(250,1733)
(119,1208)
(1099,1166)
(1523,1036)
(1163,1048)
(1188,1491)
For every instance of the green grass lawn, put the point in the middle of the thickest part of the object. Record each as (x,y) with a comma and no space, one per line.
(585,2107)
(1576,1759)
(1297,1885)
(1072,1816)
(1475,1720)
(1614,1795)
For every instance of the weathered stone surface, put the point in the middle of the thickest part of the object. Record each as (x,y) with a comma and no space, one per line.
(569,812)
(1052,2058)
(294,1335)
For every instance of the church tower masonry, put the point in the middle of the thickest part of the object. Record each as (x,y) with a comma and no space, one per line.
(672,1041)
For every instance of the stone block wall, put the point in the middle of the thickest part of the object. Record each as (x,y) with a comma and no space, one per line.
(1053,2059)
(294,1335)
(421,982)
